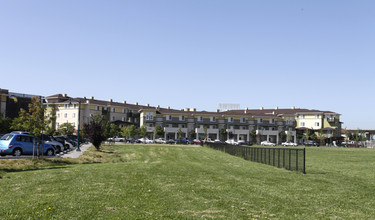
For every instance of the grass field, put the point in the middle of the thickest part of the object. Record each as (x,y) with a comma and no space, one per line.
(179,182)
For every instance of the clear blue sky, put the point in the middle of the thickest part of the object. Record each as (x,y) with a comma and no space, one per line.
(195,53)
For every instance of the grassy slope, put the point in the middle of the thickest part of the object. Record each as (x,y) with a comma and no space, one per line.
(140,182)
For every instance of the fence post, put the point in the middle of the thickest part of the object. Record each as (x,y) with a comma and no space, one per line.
(290,161)
(297,160)
(304,160)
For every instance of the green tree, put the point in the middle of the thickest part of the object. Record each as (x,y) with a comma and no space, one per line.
(158,132)
(94,130)
(253,135)
(51,120)
(114,130)
(66,128)
(143,131)
(5,125)
(192,134)
(313,136)
(205,132)
(180,133)
(321,137)
(132,131)
(282,136)
(306,135)
(32,121)
(223,134)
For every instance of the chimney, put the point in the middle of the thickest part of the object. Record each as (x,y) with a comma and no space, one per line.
(217,110)
(110,100)
(186,109)
(158,106)
(293,107)
(246,109)
(123,102)
(64,95)
(168,107)
(192,109)
(148,105)
(136,103)
(261,108)
(276,107)
(91,97)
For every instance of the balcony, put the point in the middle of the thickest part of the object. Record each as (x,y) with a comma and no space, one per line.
(209,131)
(174,130)
(267,132)
(331,119)
(238,131)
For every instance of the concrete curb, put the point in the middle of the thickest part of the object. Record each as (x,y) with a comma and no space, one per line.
(76,154)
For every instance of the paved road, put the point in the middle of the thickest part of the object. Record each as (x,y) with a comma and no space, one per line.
(66,154)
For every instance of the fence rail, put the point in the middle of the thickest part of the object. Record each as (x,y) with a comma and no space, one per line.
(287,158)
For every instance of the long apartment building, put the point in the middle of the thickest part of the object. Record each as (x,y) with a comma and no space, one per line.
(268,124)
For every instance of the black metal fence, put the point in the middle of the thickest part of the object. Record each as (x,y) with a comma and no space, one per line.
(287,158)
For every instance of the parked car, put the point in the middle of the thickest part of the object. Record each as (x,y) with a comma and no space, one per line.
(146,141)
(311,143)
(288,143)
(132,140)
(48,139)
(218,141)
(197,141)
(267,143)
(183,141)
(160,141)
(68,144)
(231,141)
(208,140)
(20,144)
(171,141)
(117,139)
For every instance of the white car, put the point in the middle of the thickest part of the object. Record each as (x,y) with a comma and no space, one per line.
(160,141)
(289,144)
(231,141)
(267,143)
(146,141)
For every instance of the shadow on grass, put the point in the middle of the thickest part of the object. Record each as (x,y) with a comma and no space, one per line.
(31,169)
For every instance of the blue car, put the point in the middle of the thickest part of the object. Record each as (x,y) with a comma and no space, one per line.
(22,144)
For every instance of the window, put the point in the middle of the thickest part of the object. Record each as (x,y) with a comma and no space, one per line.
(147,116)
(200,118)
(272,121)
(97,108)
(123,111)
(317,124)
(73,115)
(151,116)
(260,120)
(212,118)
(242,120)
(230,119)
(74,124)
(168,117)
(74,105)
(302,124)
(57,125)
(123,118)
(317,116)
(65,105)
(65,115)
(302,116)
(58,115)
(113,110)
(113,118)
(182,118)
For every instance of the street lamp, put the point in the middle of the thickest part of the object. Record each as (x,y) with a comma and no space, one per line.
(79,120)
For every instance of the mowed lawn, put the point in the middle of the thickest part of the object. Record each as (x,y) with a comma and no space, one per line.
(182,182)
